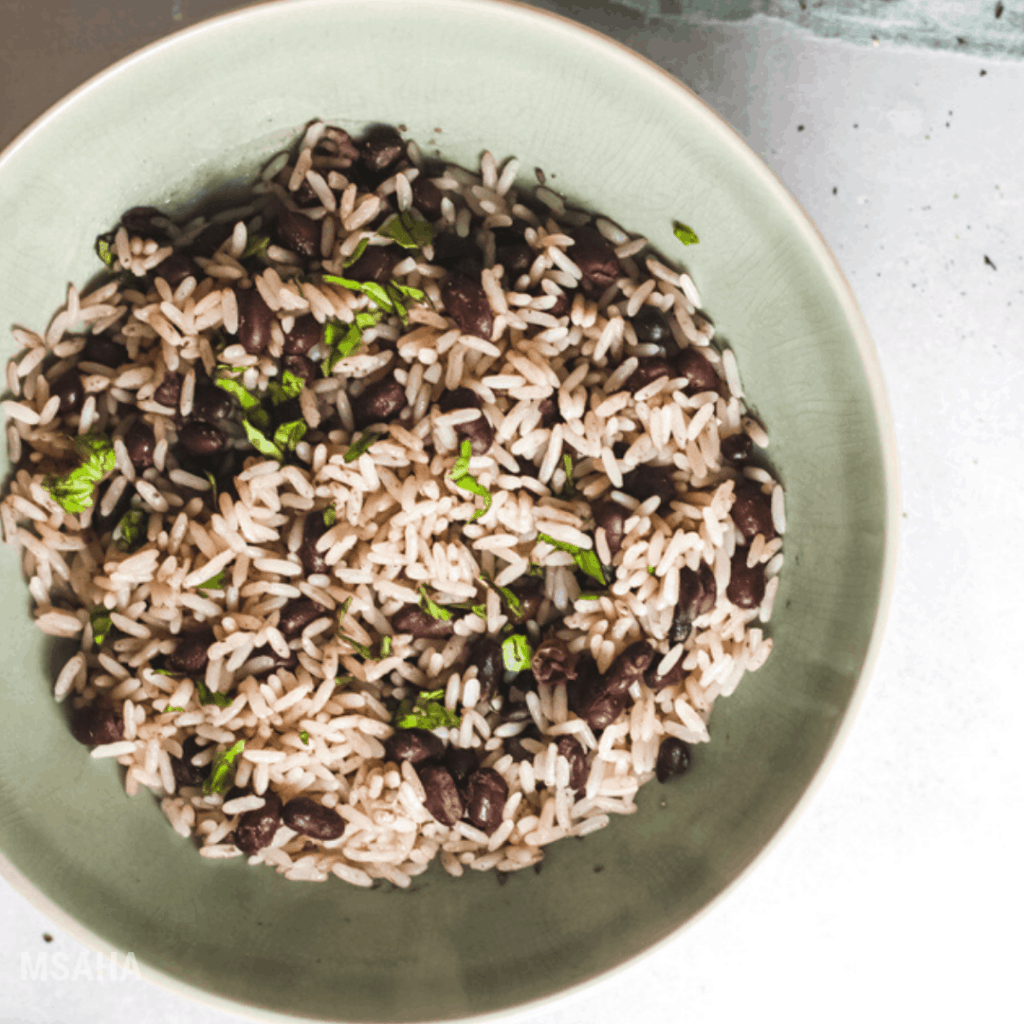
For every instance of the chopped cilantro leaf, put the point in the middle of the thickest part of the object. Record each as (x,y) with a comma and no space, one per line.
(516,652)
(511,601)
(289,386)
(406,231)
(99,619)
(222,769)
(427,712)
(651,569)
(105,250)
(587,561)
(304,736)
(256,246)
(347,344)
(463,479)
(169,708)
(536,570)
(685,235)
(361,445)
(213,484)
(357,253)
(260,442)
(570,484)
(344,680)
(289,434)
(207,696)
(361,649)
(74,491)
(385,646)
(588,597)
(129,533)
(434,610)
(245,398)
(330,515)
(215,582)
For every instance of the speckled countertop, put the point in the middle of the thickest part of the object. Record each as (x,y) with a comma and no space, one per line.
(897,894)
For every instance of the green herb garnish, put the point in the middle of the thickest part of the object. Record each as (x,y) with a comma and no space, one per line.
(330,515)
(74,491)
(651,570)
(169,708)
(359,250)
(408,232)
(261,442)
(685,235)
(130,531)
(304,736)
(222,769)
(207,696)
(361,649)
(361,445)
(427,712)
(344,680)
(105,250)
(570,484)
(385,646)
(507,595)
(349,342)
(215,582)
(536,569)
(463,479)
(586,560)
(99,619)
(245,398)
(434,610)
(516,652)
(589,597)
(289,386)
(256,246)
(288,435)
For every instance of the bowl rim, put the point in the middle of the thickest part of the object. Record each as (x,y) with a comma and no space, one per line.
(662,79)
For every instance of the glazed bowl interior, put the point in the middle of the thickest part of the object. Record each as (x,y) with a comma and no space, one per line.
(202,111)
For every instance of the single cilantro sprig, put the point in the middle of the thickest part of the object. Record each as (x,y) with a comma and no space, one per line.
(408,232)
(426,712)
(222,769)
(207,696)
(586,560)
(357,254)
(289,386)
(105,250)
(361,445)
(130,531)
(304,736)
(345,344)
(99,619)
(432,608)
(215,582)
(465,480)
(516,652)
(75,490)
(330,515)
(685,234)
(390,298)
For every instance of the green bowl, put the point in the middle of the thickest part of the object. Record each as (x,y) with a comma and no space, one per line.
(202,109)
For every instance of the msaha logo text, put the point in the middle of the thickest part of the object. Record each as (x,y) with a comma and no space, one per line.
(86,966)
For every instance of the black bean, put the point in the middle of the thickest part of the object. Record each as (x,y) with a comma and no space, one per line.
(198,437)
(514,745)
(169,392)
(313,529)
(698,592)
(96,724)
(603,711)
(103,350)
(529,590)
(516,259)
(305,195)
(380,148)
(461,763)
(303,368)
(305,333)
(378,403)
(298,233)
(646,480)
(376,264)
(297,614)
(736,448)
(256,829)
(442,795)
(549,413)
(190,655)
(673,758)
(209,240)
(140,441)
(672,677)
(478,432)
(466,303)
(211,404)
(562,304)
(526,467)
(68,387)
(652,328)
(176,268)
(426,197)
(457,254)
(629,667)
(185,772)
(595,256)
(486,795)
(648,370)
(139,221)
(752,512)
(459,398)
(304,815)
(276,661)
(700,373)
(413,745)
(746,586)
(579,768)
(611,517)
(552,663)
(594,697)
(254,320)
(485,654)
(414,620)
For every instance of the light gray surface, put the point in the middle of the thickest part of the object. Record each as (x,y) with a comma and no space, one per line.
(897,894)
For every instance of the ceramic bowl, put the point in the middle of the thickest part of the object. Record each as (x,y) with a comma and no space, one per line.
(204,108)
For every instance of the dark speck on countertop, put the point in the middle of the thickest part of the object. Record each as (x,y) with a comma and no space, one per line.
(989,263)
(47,937)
